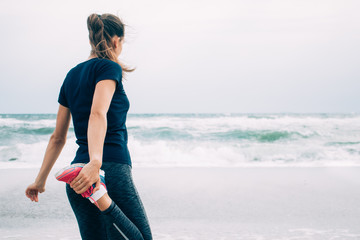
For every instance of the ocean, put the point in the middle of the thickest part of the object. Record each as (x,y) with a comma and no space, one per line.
(201,140)
(203,176)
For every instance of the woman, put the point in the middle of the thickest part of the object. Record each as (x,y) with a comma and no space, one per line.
(93,94)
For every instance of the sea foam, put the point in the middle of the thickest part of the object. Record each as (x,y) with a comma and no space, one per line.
(202,140)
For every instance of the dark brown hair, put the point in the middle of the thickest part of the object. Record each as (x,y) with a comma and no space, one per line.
(101,29)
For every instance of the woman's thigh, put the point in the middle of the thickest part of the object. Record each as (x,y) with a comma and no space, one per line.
(121,189)
(89,218)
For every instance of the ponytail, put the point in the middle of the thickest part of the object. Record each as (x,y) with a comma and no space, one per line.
(101,30)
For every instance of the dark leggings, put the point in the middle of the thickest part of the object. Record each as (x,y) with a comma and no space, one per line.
(124,219)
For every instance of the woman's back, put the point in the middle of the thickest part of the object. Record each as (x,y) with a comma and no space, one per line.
(77,92)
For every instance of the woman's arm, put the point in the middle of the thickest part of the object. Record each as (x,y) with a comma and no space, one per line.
(89,175)
(53,150)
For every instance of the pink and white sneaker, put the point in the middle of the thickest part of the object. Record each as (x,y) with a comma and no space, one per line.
(68,174)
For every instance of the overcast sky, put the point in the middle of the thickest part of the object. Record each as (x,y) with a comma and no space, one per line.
(192,56)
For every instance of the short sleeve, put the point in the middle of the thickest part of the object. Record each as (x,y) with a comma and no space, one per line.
(108,70)
(62,98)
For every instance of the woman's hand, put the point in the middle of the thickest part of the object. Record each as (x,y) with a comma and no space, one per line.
(55,145)
(86,178)
(32,191)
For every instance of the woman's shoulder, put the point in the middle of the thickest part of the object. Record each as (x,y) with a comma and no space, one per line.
(96,66)
(81,65)
(108,68)
(98,62)
(108,63)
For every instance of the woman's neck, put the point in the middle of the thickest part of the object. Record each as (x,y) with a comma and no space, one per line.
(92,56)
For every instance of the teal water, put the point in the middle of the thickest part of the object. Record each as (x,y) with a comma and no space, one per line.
(203,139)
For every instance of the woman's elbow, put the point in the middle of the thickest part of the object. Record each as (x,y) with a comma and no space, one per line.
(58,140)
(97,115)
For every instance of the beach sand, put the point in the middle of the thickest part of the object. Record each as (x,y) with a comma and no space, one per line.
(204,203)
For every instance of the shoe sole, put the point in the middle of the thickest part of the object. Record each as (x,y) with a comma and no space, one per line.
(59,174)
(61,171)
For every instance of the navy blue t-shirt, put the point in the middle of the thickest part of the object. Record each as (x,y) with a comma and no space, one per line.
(77,92)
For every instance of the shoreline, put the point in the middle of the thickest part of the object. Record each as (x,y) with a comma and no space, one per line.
(205,203)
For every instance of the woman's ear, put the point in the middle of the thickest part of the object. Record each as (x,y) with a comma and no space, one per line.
(116,41)
(115,44)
